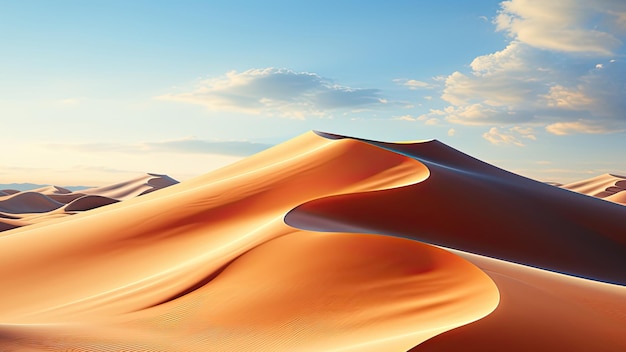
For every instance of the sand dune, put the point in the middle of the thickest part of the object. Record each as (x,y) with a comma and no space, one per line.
(49,190)
(298,248)
(51,202)
(28,202)
(88,202)
(7,192)
(472,206)
(132,188)
(541,311)
(619,198)
(608,186)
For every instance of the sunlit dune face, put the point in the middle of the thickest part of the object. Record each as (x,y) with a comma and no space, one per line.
(351,280)
(292,250)
(608,187)
(307,291)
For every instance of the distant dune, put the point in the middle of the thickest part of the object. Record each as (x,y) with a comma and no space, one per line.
(51,202)
(608,187)
(322,243)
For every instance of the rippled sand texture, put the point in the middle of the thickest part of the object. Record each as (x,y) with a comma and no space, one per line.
(323,243)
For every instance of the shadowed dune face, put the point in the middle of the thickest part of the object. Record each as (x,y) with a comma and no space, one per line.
(225,216)
(272,254)
(470,205)
(28,202)
(89,202)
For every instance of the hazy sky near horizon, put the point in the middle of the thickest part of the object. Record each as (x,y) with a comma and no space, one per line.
(94,92)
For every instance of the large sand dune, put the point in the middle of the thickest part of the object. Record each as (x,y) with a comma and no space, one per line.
(323,243)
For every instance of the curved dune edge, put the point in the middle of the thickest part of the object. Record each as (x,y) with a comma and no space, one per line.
(168,255)
(388,295)
(472,206)
(541,311)
(221,238)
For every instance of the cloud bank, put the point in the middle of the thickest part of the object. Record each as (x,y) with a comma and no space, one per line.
(563,70)
(277,92)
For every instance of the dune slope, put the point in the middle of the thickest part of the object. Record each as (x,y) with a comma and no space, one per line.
(469,205)
(299,248)
(213,257)
(541,311)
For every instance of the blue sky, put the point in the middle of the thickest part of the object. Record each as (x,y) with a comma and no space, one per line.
(93,92)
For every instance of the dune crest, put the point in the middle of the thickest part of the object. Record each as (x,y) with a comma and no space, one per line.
(299,248)
(221,239)
(132,188)
(470,205)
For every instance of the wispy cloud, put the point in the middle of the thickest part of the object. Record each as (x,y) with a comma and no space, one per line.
(277,92)
(413,84)
(511,135)
(581,126)
(405,118)
(184,145)
(496,136)
(560,70)
(566,25)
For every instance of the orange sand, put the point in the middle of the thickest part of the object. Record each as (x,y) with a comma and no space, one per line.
(608,186)
(286,251)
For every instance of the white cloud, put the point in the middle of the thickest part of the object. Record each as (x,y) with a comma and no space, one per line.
(451,132)
(524,132)
(278,92)
(565,25)
(581,126)
(483,114)
(413,84)
(567,98)
(555,70)
(496,136)
(505,78)
(510,58)
(431,122)
(511,135)
(405,118)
